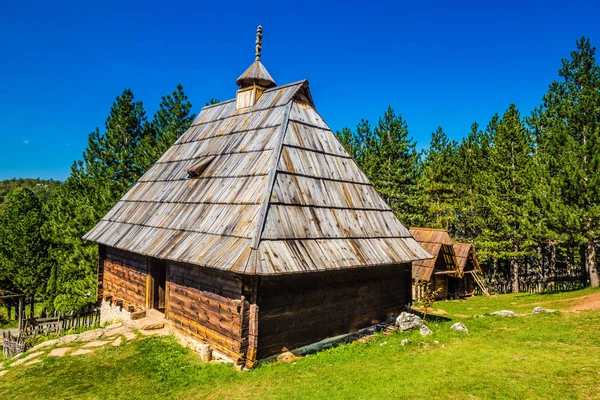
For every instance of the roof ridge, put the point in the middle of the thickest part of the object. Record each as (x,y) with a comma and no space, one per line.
(429,229)
(302,81)
(262,216)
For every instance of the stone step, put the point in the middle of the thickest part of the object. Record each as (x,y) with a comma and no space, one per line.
(138,315)
(151,325)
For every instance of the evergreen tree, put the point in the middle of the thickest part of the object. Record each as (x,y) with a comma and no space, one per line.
(366,148)
(439,181)
(472,161)
(171,120)
(116,156)
(23,267)
(504,190)
(112,163)
(346,138)
(569,124)
(394,167)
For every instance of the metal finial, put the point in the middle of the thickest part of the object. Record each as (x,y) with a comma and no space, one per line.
(258,42)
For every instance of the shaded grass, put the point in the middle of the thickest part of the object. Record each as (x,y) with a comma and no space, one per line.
(536,356)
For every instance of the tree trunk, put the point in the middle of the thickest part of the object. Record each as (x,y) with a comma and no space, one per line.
(514,268)
(591,264)
(552,259)
(583,267)
(31,307)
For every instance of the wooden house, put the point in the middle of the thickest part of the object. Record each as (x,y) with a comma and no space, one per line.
(440,270)
(468,267)
(256,232)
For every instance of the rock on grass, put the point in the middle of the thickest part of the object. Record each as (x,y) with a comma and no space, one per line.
(408,322)
(424,331)
(460,327)
(505,313)
(539,310)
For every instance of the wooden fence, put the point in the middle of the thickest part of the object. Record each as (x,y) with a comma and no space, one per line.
(46,324)
(59,322)
(532,285)
(12,345)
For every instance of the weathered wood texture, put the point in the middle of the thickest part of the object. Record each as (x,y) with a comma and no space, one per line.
(303,309)
(439,243)
(207,304)
(269,180)
(124,276)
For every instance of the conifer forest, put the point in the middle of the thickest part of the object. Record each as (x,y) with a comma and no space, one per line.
(524,189)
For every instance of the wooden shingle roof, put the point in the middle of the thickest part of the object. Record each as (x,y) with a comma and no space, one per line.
(439,243)
(275,193)
(466,257)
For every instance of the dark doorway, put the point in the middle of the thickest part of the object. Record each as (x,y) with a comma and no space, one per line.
(158,271)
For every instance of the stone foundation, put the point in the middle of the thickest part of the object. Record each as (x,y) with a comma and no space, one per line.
(110,313)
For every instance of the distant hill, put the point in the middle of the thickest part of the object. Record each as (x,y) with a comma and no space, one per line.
(38,186)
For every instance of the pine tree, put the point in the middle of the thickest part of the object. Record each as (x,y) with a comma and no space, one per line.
(394,167)
(112,163)
(346,138)
(72,210)
(171,120)
(504,191)
(366,148)
(23,268)
(439,181)
(116,156)
(472,162)
(569,122)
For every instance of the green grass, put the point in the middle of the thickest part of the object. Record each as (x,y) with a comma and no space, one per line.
(534,356)
(521,303)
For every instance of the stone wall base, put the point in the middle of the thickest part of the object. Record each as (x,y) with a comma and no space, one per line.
(206,352)
(111,313)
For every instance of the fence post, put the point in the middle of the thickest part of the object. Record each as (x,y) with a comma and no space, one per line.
(20,312)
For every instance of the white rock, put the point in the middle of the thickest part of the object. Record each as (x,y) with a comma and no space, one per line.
(460,327)
(408,322)
(505,313)
(424,331)
(539,310)
(404,342)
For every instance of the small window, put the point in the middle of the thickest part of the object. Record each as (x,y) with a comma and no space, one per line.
(198,168)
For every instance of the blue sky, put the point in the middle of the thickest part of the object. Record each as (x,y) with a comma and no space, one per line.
(436,63)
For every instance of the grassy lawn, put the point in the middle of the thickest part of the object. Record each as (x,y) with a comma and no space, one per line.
(534,356)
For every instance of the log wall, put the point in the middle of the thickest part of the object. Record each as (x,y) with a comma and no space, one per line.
(124,276)
(207,304)
(298,310)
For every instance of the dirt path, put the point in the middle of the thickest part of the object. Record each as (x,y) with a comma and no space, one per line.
(587,302)
(590,302)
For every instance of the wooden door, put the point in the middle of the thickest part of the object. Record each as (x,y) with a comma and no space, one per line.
(158,271)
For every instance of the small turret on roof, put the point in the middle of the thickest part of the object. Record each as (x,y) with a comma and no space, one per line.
(256,74)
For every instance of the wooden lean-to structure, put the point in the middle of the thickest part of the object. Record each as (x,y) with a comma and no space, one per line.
(437,270)
(256,232)
(454,268)
(469,270)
